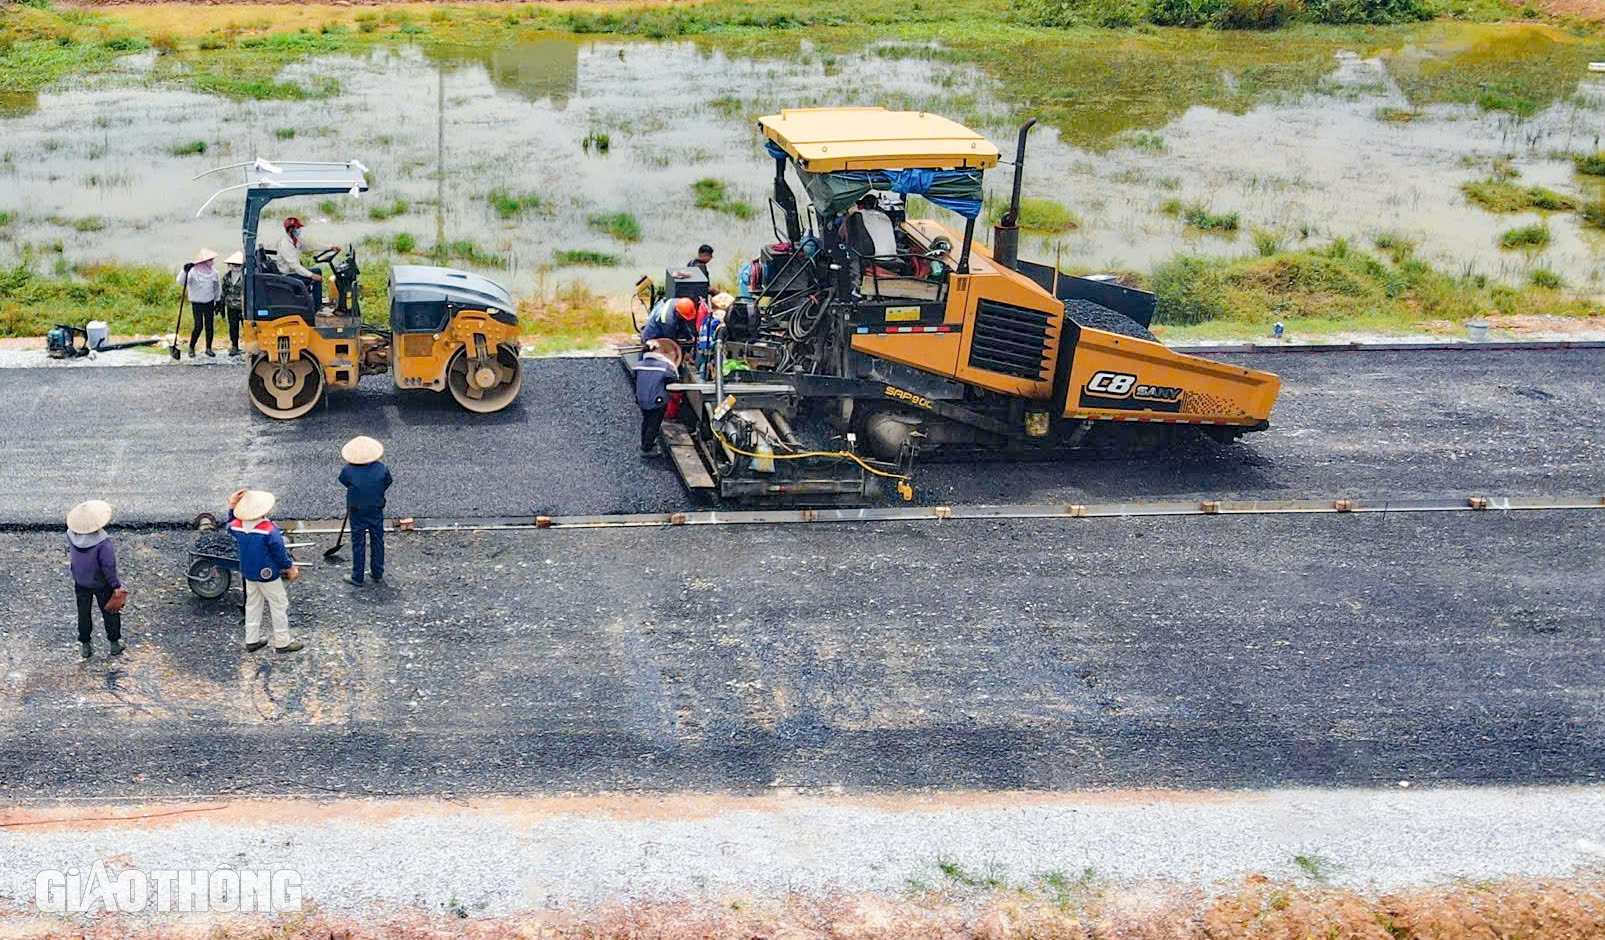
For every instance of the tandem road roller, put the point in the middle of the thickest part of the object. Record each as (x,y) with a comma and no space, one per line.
(449,330)
(908,338)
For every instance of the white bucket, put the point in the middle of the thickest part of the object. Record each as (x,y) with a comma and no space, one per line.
(96,332)
(1477,331)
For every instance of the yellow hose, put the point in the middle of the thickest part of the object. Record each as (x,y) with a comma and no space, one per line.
(903,488)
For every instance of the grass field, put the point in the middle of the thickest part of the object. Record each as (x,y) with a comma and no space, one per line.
(1336,288)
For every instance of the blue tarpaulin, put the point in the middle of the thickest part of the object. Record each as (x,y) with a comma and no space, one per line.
(833,193)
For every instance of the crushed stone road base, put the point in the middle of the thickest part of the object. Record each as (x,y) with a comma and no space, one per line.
(508,856)
(1173,652)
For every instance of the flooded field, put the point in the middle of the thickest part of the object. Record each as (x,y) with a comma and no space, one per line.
(561,160)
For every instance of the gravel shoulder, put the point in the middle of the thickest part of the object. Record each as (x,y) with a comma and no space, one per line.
(502,857)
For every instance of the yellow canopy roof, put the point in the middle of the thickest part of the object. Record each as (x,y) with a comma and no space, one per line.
(825,140)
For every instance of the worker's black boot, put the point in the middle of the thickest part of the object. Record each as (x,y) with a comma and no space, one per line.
(117,647)
(85,650)
(253,647)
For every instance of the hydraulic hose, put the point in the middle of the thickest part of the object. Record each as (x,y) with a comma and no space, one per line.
(904,489)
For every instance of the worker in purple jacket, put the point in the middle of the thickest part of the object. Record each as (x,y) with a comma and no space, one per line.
(94,573)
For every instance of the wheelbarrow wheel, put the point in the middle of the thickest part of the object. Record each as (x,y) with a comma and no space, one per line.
(207,580)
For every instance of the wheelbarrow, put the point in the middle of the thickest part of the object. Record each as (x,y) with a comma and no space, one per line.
(210,576)
(214,559)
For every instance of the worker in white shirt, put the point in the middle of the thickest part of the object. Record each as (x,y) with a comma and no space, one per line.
(288,258)
(203,287)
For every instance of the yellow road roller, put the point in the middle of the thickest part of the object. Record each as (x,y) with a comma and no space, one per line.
(450,330)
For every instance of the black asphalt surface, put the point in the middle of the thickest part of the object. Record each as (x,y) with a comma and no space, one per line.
(162,443)
(1435,648)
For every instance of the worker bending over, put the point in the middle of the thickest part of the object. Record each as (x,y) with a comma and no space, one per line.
(265,566)
(675,320)
(365,478)
(658,366)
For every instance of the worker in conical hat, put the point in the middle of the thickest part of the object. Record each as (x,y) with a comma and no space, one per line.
(265,566)
(94,574)
(366,478)
(234,298)
(202,286)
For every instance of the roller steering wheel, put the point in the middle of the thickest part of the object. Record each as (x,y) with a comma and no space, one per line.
(326,255)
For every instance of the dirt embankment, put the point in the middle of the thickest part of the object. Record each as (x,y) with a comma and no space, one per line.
(1259,908)
(1582,9)
(358,3)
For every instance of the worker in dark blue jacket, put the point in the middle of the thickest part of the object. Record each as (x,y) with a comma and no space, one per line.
(265,565)
(365,478)
(658,366)
(675,320)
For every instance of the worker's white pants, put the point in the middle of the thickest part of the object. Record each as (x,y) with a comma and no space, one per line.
(277,599)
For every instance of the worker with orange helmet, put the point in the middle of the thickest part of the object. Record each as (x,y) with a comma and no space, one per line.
(673,318)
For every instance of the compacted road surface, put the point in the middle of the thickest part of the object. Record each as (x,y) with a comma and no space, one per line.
(1342,650)
(164,443)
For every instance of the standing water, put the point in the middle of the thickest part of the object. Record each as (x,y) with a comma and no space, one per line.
(522,158)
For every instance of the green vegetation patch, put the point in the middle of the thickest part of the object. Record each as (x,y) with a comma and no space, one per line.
(714,195)
(130,298)
(510,205)
(1501,195)
(1221,14)
(1335,288)
(1592,164)
(620,225)
(585,257)
(1593,213)
(1526,238)
(1202,218)
(1516,69)
(387,210)
(576,318)
(1043,216)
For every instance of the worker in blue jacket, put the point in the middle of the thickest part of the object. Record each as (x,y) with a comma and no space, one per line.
(365,478)
(673,319)
(658,366)
(265,565)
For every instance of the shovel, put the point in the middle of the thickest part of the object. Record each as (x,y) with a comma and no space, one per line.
(178,324)
(331,553)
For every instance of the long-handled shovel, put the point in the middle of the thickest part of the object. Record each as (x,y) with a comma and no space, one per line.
(331,553)
(178,324)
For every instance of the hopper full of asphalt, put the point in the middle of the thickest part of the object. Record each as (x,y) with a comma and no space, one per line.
(165,443)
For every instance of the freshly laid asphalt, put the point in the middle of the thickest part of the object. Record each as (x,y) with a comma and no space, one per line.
(1434,649)
(163,443)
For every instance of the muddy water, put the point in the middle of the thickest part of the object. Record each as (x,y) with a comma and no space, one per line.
(90,166)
